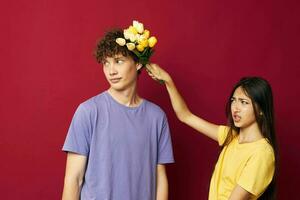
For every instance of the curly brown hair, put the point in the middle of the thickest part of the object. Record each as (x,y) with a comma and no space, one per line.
(107,46)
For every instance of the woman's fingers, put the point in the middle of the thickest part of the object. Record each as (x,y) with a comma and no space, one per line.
(148,68)
(152,76)
(153,71)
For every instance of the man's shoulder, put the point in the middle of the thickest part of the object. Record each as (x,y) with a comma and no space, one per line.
(152,107)
(93,102)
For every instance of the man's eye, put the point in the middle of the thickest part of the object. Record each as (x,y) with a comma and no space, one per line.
(120,61)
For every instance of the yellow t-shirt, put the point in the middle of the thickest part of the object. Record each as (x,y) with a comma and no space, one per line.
(250,165)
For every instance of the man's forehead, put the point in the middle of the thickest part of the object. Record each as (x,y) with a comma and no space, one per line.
(116,56)
(119,55)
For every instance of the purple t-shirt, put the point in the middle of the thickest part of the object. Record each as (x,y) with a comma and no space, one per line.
(123,146)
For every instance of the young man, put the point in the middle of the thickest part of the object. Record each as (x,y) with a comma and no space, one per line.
(118,142)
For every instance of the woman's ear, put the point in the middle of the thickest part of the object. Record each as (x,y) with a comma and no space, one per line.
(138,66)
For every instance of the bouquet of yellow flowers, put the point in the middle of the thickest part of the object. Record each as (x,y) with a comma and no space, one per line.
(138,40)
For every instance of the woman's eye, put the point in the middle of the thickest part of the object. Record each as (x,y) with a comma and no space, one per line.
(244,102)
(120,61)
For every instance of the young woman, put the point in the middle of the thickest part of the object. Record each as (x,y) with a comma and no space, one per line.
(247,163)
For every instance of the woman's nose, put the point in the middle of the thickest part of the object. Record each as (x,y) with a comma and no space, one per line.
(235,107)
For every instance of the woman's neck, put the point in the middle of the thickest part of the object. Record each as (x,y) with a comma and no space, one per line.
(250,133)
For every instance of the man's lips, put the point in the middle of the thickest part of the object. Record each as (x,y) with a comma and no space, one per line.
(114,80)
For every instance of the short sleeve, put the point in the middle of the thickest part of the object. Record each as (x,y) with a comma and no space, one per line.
(165,151)
(79,133)
(258,172)
(222,133)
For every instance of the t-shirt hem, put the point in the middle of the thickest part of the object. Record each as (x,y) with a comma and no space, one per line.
(167,161)
(66,149)
(221,134)
(245,187)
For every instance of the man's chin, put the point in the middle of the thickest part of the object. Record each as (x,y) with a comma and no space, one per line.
(117,88)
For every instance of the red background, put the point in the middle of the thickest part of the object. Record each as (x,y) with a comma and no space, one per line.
(47,69)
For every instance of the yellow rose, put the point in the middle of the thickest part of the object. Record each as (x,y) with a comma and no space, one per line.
(144,42)
(132,30)
(152,41)
(121,41)
(140,47)
(146,34)
(130,46)
(138,26)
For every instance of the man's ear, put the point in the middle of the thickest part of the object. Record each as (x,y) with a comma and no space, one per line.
(138,66)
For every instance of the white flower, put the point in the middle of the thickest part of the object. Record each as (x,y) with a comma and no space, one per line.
(127,34)
(121,41)
(135,23)
(132,37)
(130,46)
(132,30)
(141,38)
(138,26)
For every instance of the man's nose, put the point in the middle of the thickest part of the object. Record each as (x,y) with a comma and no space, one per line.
(112,70)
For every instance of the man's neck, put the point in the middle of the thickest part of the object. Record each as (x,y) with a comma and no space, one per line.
(127,97)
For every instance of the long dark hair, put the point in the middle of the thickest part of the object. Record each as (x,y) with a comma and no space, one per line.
(260,93)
